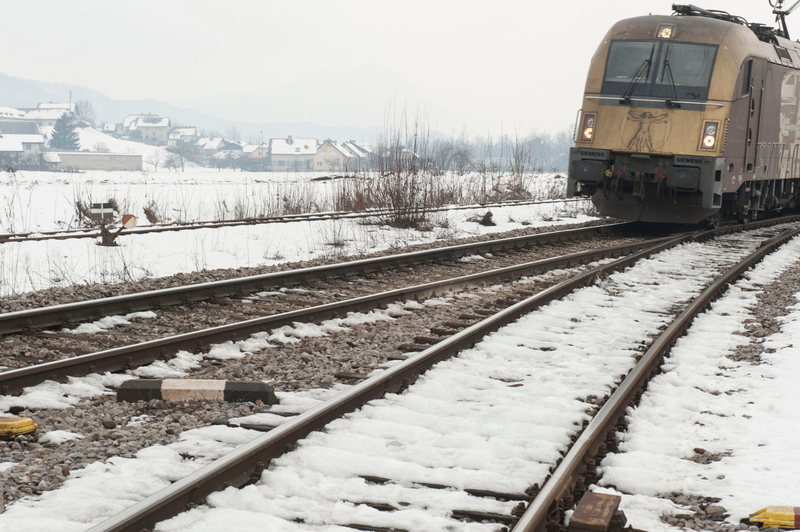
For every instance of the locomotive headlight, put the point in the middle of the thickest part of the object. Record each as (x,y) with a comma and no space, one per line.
(709,140)
(587,132)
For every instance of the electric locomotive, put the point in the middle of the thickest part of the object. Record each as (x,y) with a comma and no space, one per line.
(690,118)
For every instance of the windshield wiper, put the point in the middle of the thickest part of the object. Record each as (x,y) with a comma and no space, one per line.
(626,97)
(671,102)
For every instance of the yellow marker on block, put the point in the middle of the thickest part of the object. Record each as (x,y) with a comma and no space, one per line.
(781,516)
(12,426)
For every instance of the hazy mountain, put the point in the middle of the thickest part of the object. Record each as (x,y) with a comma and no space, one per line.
(359,97)
(17,92)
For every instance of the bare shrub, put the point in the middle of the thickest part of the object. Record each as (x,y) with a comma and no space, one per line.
(151,212)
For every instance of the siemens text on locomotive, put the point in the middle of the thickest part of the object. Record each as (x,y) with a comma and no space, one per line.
(690,118)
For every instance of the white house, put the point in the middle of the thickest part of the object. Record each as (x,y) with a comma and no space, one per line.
(292,154)
(20,141)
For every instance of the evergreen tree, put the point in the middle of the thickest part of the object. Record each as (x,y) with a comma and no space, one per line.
(65,136)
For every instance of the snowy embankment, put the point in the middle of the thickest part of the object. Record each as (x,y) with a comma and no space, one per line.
(708,399)
(46,201)
(496,418)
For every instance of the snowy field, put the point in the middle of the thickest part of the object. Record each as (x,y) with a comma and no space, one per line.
(46,201)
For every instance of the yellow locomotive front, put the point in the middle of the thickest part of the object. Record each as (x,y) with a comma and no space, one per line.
(651,132)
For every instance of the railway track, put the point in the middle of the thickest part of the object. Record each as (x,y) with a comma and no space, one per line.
(274,314)
(70,313)
(239,466)
(93,232)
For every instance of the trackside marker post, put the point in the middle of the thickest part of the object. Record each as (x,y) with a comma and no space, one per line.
(176,390)
(104,213)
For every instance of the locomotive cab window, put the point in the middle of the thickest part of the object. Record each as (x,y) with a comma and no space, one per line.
(661,69)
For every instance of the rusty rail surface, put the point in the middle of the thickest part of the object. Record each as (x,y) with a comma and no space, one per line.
(91,232)
(547,507)
(129,357)
(245,464)
(59,315)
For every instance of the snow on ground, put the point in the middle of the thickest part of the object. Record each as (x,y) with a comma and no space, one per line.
(707,400)
(516,352)
(45,201)
(102,489)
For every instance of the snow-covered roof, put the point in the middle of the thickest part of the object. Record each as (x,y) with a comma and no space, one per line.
(110,127)
(130,119)
(63,106)
(27,139)
(328,145)
(10,143)
(151,121)
(45,114)
(213,144)
(290,146)
(183,132)
(360,150)
(10,112)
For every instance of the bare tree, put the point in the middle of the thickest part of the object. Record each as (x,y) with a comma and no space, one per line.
(100,147)
(155,158)
(233,134)
(462,156)
(178,155)
(84,111)
(520,157)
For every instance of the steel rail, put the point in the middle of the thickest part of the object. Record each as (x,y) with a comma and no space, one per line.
(246,463)
(129,357)
(33,319)
(91,232)
(562,481)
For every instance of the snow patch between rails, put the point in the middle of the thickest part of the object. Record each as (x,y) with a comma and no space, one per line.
(109,322)
(57,437)
(51,394)
(706,400)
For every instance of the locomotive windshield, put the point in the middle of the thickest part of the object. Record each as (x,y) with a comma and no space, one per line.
(659,69)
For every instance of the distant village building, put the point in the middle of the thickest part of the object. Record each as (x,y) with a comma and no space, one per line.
(182,134)
(9,113)
(332,156)
(213,145)
(45,118)
(64,106)
(344,157)
(129,120)
(151,129)
(20,142)
(292,154)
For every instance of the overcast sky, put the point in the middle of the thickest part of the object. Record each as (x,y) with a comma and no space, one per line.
(476,64)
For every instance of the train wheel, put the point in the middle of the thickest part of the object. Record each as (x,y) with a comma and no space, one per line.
(712,222)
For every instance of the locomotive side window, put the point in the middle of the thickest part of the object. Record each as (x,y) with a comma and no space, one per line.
(746,77)
(629,60)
